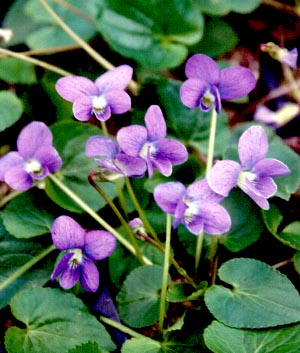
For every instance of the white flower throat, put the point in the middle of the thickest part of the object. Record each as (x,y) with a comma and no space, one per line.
(33,166)
(208,99)
(250,176)
(76,259)
(99,104)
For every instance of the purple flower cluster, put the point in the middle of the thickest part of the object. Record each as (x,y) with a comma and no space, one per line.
(81,249)
(35,159)
(207,84)
(103,97)
(140,148)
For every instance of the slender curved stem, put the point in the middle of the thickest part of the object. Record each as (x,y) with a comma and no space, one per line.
(13,194)
(199,246)
(36,62)
(164,287)
(211,141)
(21,270)
(120,327)
(85,207)
(137,206)
(119,215)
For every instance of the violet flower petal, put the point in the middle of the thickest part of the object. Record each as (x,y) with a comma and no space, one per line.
(265,186)
(223,177)
(32,137)
(172,150)
(270,167)
(71,87)
(99,244)
(163,165)
(191,92)
(119,101)
(18,179)
(215,217)
(69,277)
(202,67)
(8,161)
(179,213)
(101,146)
(168,195)
(103,115)
(89,276)
(200,190)
(252,192)
(83,108)
(67,234)
(195,225)
(62,265)
(236,82)
(253,146)
(155,123)
(49,157)
(131,139)
(117,78)
(130,166)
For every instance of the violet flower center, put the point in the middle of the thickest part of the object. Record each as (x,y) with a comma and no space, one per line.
(99,103)
(250,176)
(191,211)
(33,166)
(208,99)
(76,259)
(148,150)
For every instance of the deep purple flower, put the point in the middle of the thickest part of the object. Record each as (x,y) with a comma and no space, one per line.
(150,143)
(254,175)
(34,160)
(103,97)
(197,207)
(82,248)
(113,163)
(207,84)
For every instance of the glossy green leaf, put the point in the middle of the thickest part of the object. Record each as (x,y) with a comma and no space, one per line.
(139,298)
(143,344)
(272,219)
(218,32)
(11,109)
(223,339)
(181,292)
(190,125)
(70,139)
(244,6)
(222,7)
(54,322)
(13,254)
(246,221)
(91,347)
(291,235)
(137,28)
(24,217)
(49,34)
(260,296)
(17,71)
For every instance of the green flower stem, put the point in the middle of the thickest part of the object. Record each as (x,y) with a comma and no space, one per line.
(179,269)
(20,271)
(198,252)
(214,240)
(104,128)
(163,296)
(9,197)
(85,207)
(211,141)
(120,327)
(85,46)
(137,206)
(120,217)
(34,61)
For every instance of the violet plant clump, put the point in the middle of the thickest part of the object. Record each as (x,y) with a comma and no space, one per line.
(33,161)
(254,174)
(81,248)
(102,98)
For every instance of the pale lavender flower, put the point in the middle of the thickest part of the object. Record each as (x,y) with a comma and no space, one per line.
(103,97)
(197,207)
(35,159)
(283,55)
(254,175)
(113,163)
(82,248)
(150,143)
(207,85)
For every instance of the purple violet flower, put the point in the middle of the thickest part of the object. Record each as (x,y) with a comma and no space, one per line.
(103,97)
(283,55)
(255,173)
(197,207)
(150,143)
(82,248)
(114,163)
(34,160)
(207,84)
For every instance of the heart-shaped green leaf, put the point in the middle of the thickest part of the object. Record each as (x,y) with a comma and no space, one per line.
(260,296)
(11,109)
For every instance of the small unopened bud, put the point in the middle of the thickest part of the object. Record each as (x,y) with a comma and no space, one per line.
(137,227)
(283,55)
